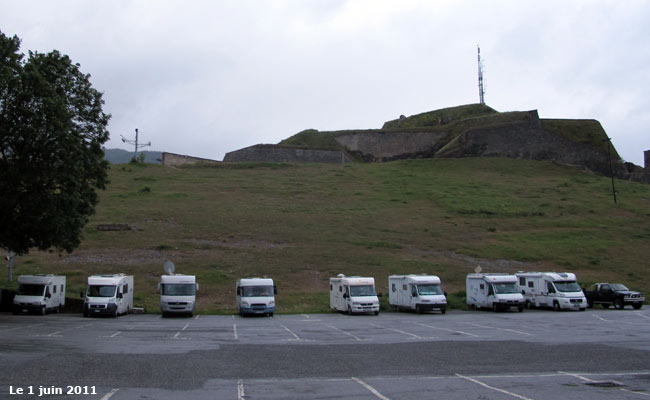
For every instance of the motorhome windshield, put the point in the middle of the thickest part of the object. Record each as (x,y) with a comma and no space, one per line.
(505,288)
(101,291)
(178,289)
(569,286)
(31,290)
(429,290)
(362,290)
(257,291)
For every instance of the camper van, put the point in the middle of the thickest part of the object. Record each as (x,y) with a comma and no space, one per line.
(416,292)
(177,294)
(39,293)
(256,296)
(495,291)
(552,289)
(353,294)
(109,295)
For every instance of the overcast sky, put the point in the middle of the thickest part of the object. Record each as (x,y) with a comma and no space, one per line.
(204,78)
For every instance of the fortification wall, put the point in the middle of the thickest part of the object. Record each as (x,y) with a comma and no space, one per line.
(171,159)
(521,141)
(272,153)
(386,146)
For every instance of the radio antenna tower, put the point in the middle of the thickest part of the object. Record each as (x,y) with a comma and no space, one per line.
(135,142)
(481,89)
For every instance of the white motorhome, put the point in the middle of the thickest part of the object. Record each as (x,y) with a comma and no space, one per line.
(353,294)
(39,293)
(109,295)
(416,292)
(177,294)
(552,289)
(495,291)
(256,296)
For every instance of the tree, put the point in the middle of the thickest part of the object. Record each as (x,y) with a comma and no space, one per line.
(52,128)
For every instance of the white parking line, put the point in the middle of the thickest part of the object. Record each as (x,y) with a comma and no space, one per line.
(602,319)
(116,333)
(234,331)
(240,390)
(448,330)
(181,331)
(493,388)
(372,389)
(342,331)
(66,330)
(402,332)
(642,316)
(110,394)
(501,329)
(18,327)
(291,332)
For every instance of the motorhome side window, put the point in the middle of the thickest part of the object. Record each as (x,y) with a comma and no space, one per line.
(522,281)
(490,290)
(414,291)
(531,284)
(62,288)
(482,286)
(393,288)
(403,287)
(330,286)
(340,288)
(53,288)
(125,288)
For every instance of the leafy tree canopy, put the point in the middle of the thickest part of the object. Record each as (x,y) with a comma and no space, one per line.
(52,128)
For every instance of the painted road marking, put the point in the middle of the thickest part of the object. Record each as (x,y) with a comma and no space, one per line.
(56,334)
(110,394)
(116,333)
(18,327)
(402,332)
(501,329)
(449,330)
(234,331)
(372,389)
(240,390)
(181,331)
(342,331)
(493,388)
(291,332)
(602,319)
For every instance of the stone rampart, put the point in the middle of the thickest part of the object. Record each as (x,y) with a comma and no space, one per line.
(173,160)
(520,141)
(273,153)
(386,145)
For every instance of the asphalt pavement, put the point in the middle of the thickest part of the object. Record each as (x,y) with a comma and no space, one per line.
(596,354)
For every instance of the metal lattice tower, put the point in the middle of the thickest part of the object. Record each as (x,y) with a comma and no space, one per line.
(481,89)
(135,142)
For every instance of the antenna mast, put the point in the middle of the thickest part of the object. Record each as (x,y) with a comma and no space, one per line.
(137,146)
(481,89)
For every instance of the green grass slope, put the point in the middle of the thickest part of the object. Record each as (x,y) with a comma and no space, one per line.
(302,224)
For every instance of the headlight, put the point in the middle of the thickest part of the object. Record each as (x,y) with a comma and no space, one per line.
(244,303)
(271,303)
(356,304)
(561,295)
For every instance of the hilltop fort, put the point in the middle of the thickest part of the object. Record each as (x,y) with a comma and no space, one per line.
(473,130)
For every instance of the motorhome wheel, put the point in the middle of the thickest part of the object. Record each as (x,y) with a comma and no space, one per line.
(556,306)
(43,310)
(418,309)
(495,307)
(349,310)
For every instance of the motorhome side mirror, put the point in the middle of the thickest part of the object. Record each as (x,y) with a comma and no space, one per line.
(197,287)
(275,289)
(159,287)
(378,294)
(81,294)
(119,295)
(345,295)
(48,295)
(523,292)
(445,293)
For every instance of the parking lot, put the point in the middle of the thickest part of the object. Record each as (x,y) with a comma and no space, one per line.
(464,355)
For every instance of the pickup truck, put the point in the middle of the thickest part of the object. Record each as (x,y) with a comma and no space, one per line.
(615,294)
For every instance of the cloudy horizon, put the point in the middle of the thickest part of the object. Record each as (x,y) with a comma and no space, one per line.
(203,78)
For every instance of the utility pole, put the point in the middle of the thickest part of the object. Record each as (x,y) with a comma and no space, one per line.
(481,89)
(10,264)
(137,146)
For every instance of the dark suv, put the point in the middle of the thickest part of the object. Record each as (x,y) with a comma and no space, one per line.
(613,293)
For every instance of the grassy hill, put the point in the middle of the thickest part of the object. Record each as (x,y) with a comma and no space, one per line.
(302,224)
(119,156)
